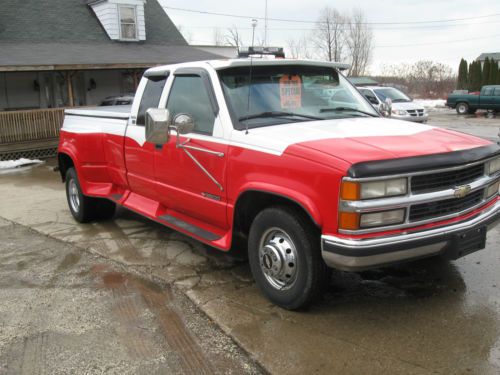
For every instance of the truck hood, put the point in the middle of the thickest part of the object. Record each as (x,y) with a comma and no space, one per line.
(356,139)
(404,106)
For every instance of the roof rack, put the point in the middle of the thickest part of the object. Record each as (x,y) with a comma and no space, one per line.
(264,51)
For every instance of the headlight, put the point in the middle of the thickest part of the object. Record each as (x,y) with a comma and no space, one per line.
(379,219)
(399,112)
(493,189)
(493,166)
(373,189)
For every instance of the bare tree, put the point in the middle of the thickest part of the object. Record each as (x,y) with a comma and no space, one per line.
(218,37)
(359,43)
(329,35)
(233,37)
(298,48)
(425,79)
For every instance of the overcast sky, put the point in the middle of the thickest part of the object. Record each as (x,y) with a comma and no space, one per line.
(445,42)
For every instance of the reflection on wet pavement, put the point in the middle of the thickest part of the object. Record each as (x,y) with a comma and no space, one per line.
(66,311)
(432,316)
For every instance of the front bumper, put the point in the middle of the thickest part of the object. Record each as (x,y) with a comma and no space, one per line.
(360,254)
(422,118)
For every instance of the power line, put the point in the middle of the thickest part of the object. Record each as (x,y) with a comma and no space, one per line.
(375,28)
(436,43)
(313,22)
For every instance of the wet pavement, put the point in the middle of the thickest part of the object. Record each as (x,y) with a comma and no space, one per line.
(429,317)
(67,311)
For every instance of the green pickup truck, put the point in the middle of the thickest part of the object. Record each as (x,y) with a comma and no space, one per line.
(488,98)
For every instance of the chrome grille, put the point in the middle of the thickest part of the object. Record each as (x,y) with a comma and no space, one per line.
(445,207)
(445,180)
(415,112)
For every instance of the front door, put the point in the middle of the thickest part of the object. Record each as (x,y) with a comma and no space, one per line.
(191,179)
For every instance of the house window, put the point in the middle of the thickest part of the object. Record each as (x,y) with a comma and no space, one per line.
(128,25)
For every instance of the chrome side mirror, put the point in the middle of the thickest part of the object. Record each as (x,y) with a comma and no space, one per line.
(157,125)
(183,123)
(386,108)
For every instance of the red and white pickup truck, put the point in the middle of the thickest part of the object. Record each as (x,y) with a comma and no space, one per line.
(259,149)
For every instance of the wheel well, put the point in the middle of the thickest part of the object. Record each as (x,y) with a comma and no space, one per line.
(65,162)
(250,203)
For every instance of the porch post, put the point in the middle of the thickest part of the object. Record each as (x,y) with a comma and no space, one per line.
(69,83)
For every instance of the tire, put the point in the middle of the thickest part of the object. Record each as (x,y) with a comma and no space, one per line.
(83,208)
(462,108)
(285,258)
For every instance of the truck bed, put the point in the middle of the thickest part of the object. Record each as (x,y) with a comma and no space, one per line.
(115,111)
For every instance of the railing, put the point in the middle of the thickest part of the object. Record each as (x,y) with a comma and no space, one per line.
(31,125)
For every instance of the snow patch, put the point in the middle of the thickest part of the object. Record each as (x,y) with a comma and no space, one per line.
(10,164)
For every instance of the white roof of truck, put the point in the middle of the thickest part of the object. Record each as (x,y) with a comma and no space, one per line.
(255,61)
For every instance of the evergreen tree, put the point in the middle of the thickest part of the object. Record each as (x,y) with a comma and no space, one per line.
(462,81)
(485,79)
(478,76)
(493,76)
(470,78)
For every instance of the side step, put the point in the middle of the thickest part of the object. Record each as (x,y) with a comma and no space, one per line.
(197,231)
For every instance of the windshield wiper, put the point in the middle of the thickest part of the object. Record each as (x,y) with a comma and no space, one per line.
(277,114)
(346,109)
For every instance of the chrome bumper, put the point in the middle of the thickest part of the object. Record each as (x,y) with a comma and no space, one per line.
(359,254)
(422,118)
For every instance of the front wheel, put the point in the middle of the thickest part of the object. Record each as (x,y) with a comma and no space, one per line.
(285,258)
(462,108)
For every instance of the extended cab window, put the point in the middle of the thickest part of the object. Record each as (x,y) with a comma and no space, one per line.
(497,91)
(150,97)
(488,91)
(189,95)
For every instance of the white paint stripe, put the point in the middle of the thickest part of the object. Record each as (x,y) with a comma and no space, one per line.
(271,139)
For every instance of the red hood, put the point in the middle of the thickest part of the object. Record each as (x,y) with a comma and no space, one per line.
(358,149)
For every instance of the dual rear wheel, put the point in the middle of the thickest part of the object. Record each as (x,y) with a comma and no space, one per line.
(84,208)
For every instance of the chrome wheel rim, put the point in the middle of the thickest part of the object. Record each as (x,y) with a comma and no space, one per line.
(461,108)
(278,259)
(74,197)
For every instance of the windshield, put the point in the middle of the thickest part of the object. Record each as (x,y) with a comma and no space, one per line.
(395,95)
(285,93)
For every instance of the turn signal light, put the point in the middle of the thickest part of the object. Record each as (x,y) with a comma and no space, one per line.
(349,220)
(350,191)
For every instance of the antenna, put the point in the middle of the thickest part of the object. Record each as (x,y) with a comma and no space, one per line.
(254,25)
(265,26)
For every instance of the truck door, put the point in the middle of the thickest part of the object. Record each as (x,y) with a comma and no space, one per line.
(487,100)
(191,180)
(139,154)
(496,94)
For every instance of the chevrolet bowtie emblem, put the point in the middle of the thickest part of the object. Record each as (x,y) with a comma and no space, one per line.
(462,191)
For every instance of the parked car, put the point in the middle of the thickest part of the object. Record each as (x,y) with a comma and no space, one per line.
(117,100)
(244,149)
(403,107)
(488,98)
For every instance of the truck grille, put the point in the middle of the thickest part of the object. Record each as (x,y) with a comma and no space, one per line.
(445,180)
(445,207)
(415,112)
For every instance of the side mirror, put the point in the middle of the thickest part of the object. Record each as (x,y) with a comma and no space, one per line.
(183,123)
(386,108)
(157,125)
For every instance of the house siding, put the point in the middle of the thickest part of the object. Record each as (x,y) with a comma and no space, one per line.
(108,14)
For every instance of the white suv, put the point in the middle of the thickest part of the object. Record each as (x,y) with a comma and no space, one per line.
(403,107)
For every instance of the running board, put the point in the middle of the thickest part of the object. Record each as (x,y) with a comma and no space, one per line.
(197,231)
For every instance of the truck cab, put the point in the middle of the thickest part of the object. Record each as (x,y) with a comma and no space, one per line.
(254,150)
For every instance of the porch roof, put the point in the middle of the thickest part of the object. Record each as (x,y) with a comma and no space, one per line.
(74,56)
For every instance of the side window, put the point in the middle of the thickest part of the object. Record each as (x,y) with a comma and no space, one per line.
(488,91)
(370,96)
(150,97)
(497,91)
(189,95)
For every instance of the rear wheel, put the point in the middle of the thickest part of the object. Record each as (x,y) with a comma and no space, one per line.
(462,108)
(82,207)
(285,258)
